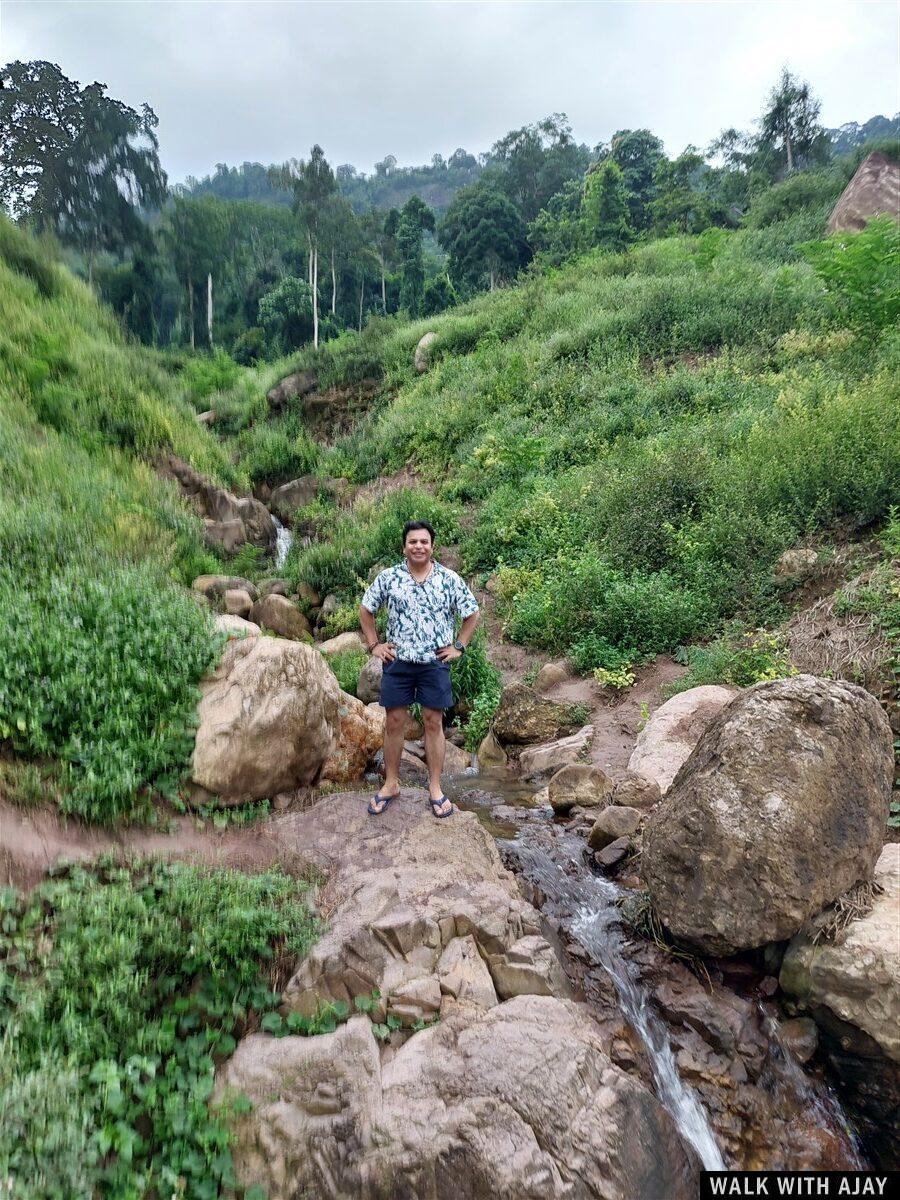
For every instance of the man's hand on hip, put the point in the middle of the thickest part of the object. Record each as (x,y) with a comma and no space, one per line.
(448,654)
(386,651)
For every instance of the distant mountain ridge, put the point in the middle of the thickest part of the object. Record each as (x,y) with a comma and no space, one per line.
(847,137)
(390,185)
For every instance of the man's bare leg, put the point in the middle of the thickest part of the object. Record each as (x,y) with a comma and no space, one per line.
(394,724)
(435,748)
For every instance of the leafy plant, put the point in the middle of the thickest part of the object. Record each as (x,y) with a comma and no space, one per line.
(861,273)
(127,983)
(347,667)
(740,656)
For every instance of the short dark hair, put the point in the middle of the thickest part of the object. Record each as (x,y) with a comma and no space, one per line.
(411,525)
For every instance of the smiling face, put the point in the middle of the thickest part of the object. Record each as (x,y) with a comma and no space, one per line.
(417,548)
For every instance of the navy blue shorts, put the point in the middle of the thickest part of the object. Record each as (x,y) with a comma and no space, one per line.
(404,683)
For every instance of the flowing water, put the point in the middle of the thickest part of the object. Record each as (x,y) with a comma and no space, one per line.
(283,541)
(594,923)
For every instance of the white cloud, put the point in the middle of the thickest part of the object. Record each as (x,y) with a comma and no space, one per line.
(263,80)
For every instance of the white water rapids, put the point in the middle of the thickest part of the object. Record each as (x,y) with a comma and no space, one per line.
(283,541)
(594,923)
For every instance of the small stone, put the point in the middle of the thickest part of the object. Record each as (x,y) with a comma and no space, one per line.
(278,614)
(537,761)
(613,824)
(634,791)
(274,587)
(800,1037)
(579,784)
(612,854)
(491,755)
(549,676)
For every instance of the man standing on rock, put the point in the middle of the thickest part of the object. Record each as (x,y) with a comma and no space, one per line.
(422,598)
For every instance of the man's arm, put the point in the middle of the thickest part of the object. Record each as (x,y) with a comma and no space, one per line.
(382,650)
(449,653)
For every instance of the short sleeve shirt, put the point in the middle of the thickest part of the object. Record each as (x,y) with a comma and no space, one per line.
(420,615)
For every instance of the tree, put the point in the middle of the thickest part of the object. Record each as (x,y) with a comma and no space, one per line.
(286,313)
(637,153)
(557,231)
(534,162)
(604,208)
(313,184)
(483,235)
(680,205)
(380,230)
(790,135)
(439,294)
(415,218)
(74,160)
(195,232)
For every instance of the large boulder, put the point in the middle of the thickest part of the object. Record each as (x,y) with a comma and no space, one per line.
(281,616)
(214,587)
(422,356)
(517,1101)
(579,783)
(361,736)
(295,386)
(224,537)
(268,719)
(873,190)
(856,978)
(674,730)
(286,499)
(537,762)
(368,686)
(342,644)
(259,527)
(524,717)
(235,627)
(779,810)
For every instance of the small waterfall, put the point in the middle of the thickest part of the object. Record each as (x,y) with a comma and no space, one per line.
(283,540)
(594,924)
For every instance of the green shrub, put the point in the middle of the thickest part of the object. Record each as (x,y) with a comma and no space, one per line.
(802,190)
(104,678)
(126,985)
(276,451)
(861,274)
(28,257)
(346,668)
(366,536)
(208,373)
(249,346)
(740,656)
(476,690)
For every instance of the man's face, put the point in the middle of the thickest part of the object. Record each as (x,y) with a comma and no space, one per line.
(417,547)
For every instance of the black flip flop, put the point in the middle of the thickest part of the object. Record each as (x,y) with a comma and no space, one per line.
(436,804)
(384,801)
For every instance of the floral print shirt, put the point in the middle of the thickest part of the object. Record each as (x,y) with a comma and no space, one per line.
(420,615)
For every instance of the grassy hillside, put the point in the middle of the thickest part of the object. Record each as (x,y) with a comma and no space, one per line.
(103,650)
(630,442)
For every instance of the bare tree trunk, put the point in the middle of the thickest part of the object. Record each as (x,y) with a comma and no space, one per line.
(492,278)
(362,284)
(91,267)
(309,263)
(333,283)
(191,308)
(383,290)
(315,295)
(787,146)
(209,308)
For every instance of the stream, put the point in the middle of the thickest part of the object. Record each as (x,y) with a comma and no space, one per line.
(283,540)
(746,1106)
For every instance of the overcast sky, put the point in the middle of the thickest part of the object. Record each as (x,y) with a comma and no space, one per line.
(262,80)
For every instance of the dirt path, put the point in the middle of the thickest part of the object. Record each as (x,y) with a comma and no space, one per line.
(33,840)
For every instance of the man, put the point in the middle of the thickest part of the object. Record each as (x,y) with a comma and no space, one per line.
(422,598)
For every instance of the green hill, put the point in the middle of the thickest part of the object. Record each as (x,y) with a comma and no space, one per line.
(629,443)
(108,649)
